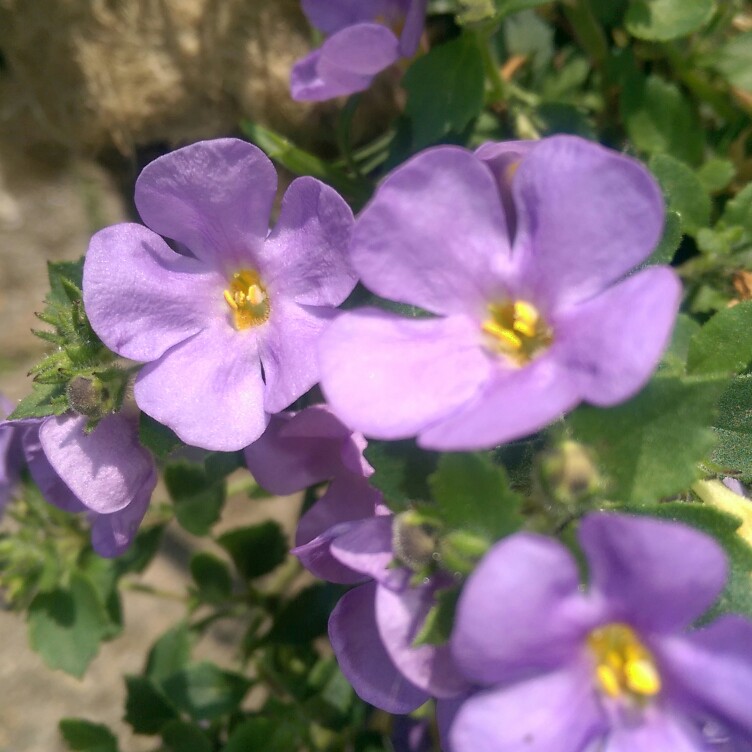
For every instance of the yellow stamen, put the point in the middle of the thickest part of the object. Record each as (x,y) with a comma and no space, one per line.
(516,330)
(624,666)
(247,299)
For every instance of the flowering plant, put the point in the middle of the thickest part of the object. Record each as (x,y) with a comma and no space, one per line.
(504,350)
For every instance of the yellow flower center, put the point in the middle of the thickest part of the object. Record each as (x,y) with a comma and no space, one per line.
(247,299)
(517,330)
(623,665)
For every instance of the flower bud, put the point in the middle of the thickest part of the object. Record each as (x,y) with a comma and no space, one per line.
(567,474)
(413,540)
(89,396)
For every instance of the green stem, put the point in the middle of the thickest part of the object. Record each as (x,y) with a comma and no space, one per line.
(498,92)
(587,30)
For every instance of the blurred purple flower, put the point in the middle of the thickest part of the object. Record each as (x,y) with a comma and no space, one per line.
(239,299)
(364,37)
(304,449)
(107,474)
(614,668)
(520,252)
(736,486)
(11,454)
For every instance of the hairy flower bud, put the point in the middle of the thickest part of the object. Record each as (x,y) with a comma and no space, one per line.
(567,474)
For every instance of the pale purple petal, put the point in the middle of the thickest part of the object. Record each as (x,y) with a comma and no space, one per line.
(306,254)
(284,464)
(349,497)
(106,468)
(656,731)
(367,548)
(435,235)
(415,21)
(214,197)
(555,712)
(43,474)
(207,389)
(612,343)
(520,612)
(400,617)
(330,16)
(11,453)
(288,348)
(713,669)
(362,657)
(345,63)
(390,376)
(112,534)
(141,297)
(735,486)
(316,556)
(653,574)
(514,403)
(586,216)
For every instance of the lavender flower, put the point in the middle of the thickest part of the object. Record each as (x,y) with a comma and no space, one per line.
(11,455)
(240,298)
(307,448)
(106,474)
(364,37)
(614,668)
(521,257)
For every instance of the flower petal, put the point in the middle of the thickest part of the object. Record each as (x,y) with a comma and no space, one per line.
(288,347)
(657,730)
(316,556)
(513,404)
(106,468)
(141,297)
(367,548)
(362,657)
(345,63)
(415,21)
(207,389)
(653,574)
(586,216)
(435,235)
(306,254)
(389,376)
(400,616)
(329,16)
(713,667)
(520,612)
(214,197)
(112,534)
(555,712)
(613,342)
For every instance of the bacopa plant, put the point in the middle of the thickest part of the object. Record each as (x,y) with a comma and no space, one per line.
(504,351)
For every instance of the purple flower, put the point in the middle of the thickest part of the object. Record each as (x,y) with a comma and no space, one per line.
(520,254)
(11,454)
(307,448)
(364,37)
(107,474)
(614,668)
(239,299)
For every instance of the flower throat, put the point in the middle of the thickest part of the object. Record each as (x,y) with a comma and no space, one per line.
(517,330)
(247,299)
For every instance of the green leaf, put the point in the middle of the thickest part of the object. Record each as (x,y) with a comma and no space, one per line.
(508,7)
(204,691)
(661,20)
(67,625)
(669,242)
(212,577)
(179,736)
(659,119)
(444,90)
(269,735)
(724,343)
(142,551)
(738,211)
(401,471)
(102,573)
(45,399)
(437,627)
(674,359)
(147,710)
(733,428)
(83,736)
(734,61)
(170,653)
(305,617)
(737,595)
(471,493)
(648,448)
(685,193)
(255,550)
(528,34)
(198,497)
(716,174)
(156,437)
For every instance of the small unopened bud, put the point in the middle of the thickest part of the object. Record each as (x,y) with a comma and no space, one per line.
(413,540)
(89,397)
(567,473)
(461,550)
(474,11)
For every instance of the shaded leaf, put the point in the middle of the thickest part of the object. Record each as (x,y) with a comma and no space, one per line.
(255,550)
